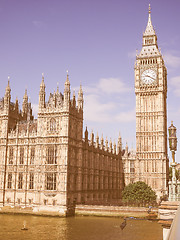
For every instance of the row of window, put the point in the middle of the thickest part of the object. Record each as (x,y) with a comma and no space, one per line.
(51,155)
(21,157)
(19,200)
(148,61)
(50,181)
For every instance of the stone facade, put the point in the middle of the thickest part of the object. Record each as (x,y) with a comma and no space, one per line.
(129,165)
(46,164)
(151,117)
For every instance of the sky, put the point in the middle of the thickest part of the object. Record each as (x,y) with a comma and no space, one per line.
(96,41)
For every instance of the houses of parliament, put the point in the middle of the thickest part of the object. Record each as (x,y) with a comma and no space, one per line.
(48,163)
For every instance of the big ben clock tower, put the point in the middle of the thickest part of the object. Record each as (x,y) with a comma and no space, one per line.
(151,116)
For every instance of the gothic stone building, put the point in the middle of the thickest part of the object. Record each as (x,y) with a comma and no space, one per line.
(46,164)
(129,165)
(151,163)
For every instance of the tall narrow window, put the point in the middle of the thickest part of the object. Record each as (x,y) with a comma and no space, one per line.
(132,169)
(11,155)
(52,125)
(51,155)
(50,181)
(21,155)
(32,155)
(9,183)
(31,181)
(20,181)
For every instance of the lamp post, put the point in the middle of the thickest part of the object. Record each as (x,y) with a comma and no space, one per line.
(173,194)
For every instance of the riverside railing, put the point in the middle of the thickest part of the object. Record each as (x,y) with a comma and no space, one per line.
(174,232)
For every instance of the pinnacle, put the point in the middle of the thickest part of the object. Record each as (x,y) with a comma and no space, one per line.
(149,28)
(42,82)
(8,86)
(25,94)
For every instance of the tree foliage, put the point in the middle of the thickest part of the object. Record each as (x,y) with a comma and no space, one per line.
(138,193)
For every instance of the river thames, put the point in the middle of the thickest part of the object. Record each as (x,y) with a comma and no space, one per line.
(77,228)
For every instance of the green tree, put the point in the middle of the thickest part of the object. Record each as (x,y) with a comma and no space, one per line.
(138,193)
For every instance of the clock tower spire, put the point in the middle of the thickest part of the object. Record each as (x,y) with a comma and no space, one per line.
(151,116)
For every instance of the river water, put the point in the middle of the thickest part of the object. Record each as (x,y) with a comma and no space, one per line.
(77,228)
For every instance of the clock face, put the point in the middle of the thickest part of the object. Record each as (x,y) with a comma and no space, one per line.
(148,76)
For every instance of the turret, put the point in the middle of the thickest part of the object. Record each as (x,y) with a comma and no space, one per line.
(17,105)
(57,91)
(80,98)
(92,138)
(106,144)
(74,99)
(110,145)
(149,36)
(54,98)
(114,147)
(102,142)
(97,140)
(86,134)
(67,91)
(126,150)
(119,145)
(7,96)
(25,103)
(42,93)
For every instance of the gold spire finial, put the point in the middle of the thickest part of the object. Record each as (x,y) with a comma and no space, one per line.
(171,122)
(8,80)
(149,8)
(57,87)
(67,79)
(43,77)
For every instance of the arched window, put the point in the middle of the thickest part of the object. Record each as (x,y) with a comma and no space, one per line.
(52,125)
(51,155)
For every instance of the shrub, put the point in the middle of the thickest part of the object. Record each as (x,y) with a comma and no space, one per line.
(138,193)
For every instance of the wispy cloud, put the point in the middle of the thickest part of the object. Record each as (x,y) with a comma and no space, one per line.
(128,116)
(106,102)
(97,111)
(175,83)
(172,61)
(107,86)
(112,85)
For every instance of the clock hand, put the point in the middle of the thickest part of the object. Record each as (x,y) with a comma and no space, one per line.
(150,77)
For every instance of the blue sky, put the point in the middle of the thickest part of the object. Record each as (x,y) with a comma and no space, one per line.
(96,41)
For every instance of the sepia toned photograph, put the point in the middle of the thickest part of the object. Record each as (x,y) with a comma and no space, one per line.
(89,120)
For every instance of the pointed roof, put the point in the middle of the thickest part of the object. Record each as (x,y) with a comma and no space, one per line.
(8,89)
(149,28)
(67,78)
(80,93)
(57,88)
(42,82)
(25,95)
(74,95)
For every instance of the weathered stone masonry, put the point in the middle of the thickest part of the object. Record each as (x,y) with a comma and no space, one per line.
(46,164)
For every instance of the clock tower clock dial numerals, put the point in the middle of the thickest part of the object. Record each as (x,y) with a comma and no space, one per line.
(148,76)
